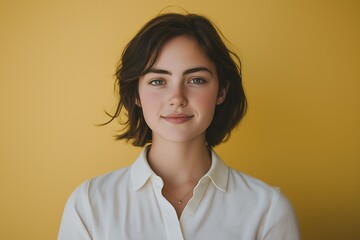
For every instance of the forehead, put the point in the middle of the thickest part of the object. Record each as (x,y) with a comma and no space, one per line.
(182,52)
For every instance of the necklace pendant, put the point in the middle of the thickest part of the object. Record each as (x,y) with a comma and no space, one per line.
(180,202)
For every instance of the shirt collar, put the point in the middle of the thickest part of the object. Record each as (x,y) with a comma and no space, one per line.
(218,172)
(141,171)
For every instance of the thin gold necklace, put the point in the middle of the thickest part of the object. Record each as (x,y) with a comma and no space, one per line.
(180,201)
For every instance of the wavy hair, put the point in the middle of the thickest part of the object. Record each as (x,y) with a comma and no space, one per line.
(142,51)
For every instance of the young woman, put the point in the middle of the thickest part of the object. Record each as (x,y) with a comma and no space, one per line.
(181,89)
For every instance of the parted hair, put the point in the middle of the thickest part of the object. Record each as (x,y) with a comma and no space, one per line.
(140,54)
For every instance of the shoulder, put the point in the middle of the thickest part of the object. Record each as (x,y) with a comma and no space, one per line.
(257,191)
(105,187)
(278,217)
(96,190)
(100,187)
(105,184)
(92,200)
(240,181)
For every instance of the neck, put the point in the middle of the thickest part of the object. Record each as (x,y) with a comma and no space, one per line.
(179,163)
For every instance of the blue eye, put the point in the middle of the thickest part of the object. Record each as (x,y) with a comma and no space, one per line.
(157,82)
(197,81)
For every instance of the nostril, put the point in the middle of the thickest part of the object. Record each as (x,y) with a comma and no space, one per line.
(178,102)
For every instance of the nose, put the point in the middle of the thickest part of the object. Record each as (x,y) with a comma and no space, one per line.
(178,96)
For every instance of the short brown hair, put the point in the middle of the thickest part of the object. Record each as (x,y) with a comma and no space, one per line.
(141,53)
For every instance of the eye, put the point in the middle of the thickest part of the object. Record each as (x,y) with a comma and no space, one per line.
(197,81)
(157,82)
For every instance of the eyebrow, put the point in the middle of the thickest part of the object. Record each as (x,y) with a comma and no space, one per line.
(188,71)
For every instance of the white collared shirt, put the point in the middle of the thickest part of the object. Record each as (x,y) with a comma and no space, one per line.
(128,204)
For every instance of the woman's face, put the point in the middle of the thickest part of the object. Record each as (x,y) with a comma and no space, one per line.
(179,94)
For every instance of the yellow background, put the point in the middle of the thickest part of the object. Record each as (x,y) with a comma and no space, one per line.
(301,62)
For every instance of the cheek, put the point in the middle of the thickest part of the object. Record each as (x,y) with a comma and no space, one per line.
(206,101)
(149,102)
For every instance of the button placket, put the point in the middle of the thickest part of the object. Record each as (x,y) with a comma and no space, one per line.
(170,219)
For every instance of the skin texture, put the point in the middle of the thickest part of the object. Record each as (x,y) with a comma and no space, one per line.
(180,93)
(178,97)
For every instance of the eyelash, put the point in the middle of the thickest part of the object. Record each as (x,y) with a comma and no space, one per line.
(157,82)
(202,81)
(195,81)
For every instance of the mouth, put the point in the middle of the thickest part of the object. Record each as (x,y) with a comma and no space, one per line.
(177,118)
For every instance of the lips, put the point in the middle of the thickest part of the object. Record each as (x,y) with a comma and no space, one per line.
(177,118)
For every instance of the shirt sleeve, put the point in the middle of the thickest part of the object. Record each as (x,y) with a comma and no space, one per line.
(280,222)
(75,222)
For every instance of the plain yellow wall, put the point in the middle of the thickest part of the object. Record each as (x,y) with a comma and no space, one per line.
(301,62)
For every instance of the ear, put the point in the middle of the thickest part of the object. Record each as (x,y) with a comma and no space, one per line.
(222,94)
(137,102)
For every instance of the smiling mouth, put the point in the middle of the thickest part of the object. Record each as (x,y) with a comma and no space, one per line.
(177,118)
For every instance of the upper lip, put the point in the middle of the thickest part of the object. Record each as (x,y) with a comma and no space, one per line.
(177,115)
